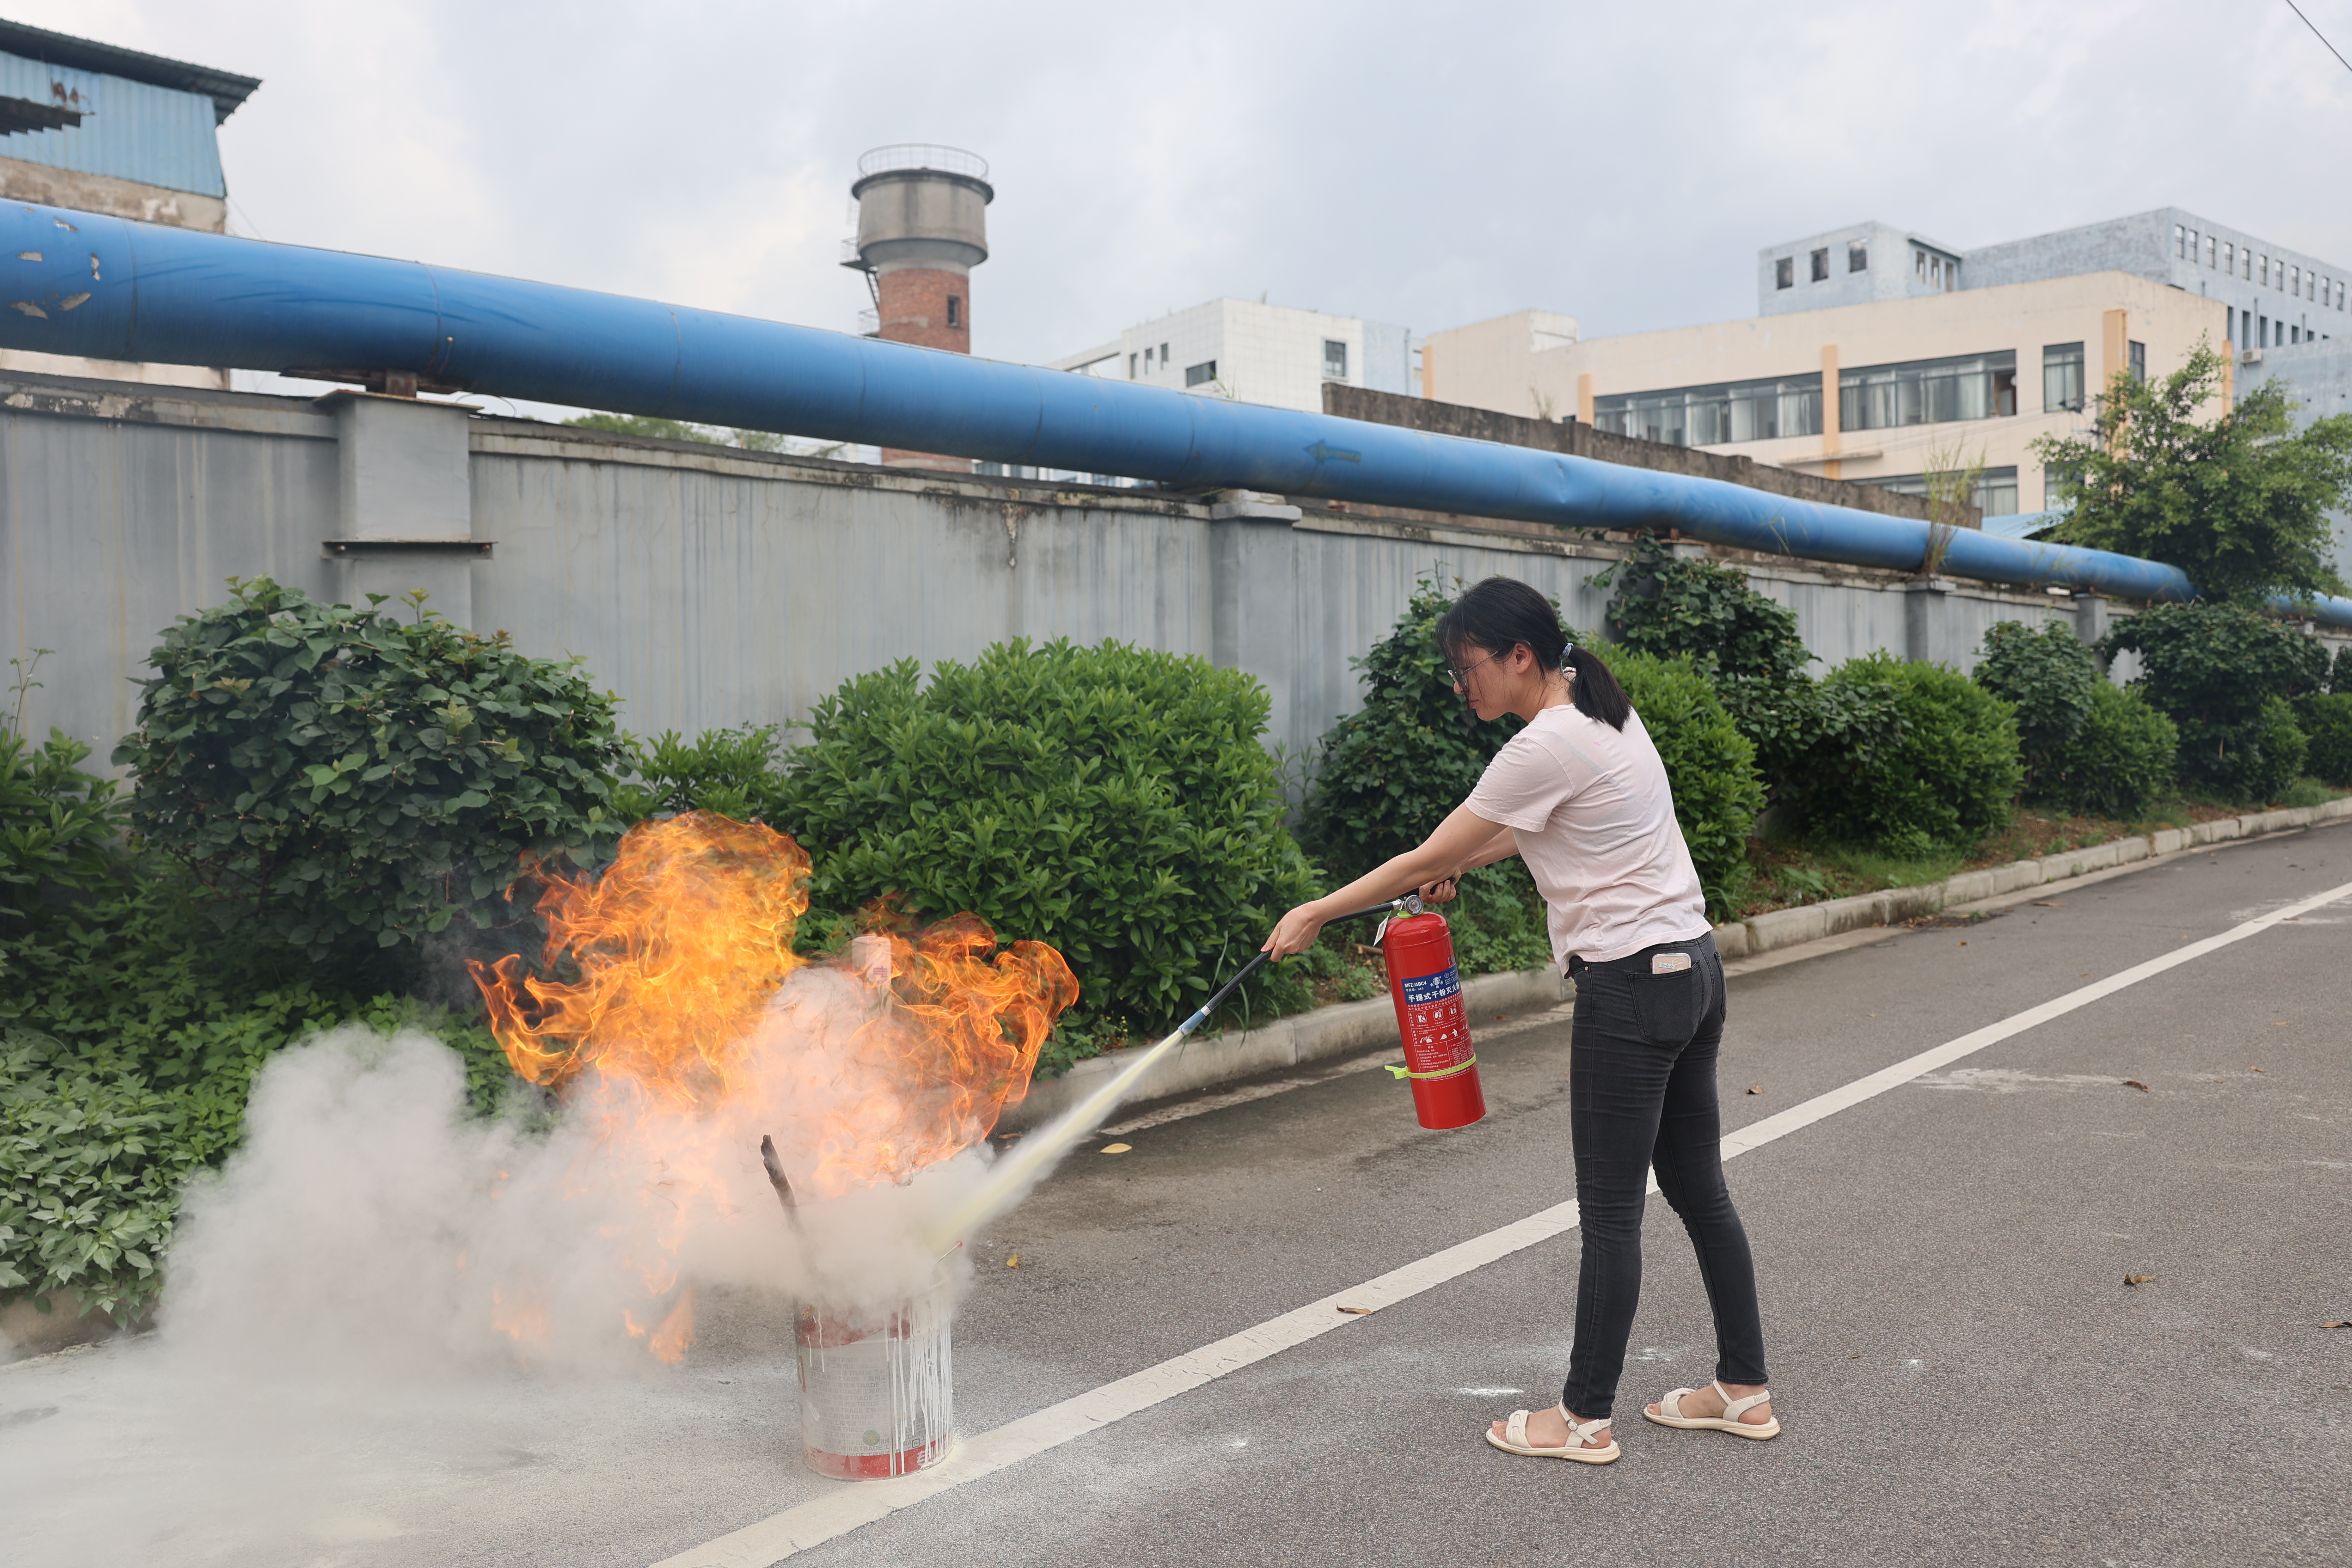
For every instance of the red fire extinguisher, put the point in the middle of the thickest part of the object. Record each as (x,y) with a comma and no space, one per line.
(1440,1061)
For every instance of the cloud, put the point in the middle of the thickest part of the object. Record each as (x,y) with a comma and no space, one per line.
(1621,163)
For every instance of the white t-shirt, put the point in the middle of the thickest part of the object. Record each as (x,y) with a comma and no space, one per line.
(1594,819)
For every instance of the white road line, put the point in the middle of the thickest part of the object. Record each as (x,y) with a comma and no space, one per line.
(838,1513)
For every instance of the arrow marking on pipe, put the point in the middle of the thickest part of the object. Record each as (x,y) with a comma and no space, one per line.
(841,1510)
(1322,454)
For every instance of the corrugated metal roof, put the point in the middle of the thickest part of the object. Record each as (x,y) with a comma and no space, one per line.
(129,130)
(226,88)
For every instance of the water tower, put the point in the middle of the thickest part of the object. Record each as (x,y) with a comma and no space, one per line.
(922,227)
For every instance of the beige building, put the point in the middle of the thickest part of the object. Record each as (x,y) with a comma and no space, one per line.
(1880,392)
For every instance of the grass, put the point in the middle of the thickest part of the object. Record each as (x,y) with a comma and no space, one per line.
(1790,871)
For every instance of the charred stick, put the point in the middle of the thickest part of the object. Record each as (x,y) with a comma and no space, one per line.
(776,1178)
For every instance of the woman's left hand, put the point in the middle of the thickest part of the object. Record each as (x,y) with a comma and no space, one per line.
(1296,932)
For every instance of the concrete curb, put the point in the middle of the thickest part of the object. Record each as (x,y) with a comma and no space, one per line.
(1336,1031)
(1812,922)
(1352,1026)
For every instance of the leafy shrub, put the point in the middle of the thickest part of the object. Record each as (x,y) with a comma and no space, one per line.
(1812,736)
(1709,763)
(2223,673)
(2339,680)
(2326,723)
(336,775)
(1392,770)
(1672,608)
(2120,762)
(736,773)
(2087,746)
(2048,675)
(1112,801)
(60,839)
(1806,736)
(1946,784)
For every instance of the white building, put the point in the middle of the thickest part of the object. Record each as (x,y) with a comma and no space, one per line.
(1255,352)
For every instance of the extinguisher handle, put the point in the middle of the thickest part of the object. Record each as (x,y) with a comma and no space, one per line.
(1411,904)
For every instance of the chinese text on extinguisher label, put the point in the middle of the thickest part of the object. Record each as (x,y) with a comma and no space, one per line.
(1438,1035)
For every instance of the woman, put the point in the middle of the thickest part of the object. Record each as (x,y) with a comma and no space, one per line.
(1581,795)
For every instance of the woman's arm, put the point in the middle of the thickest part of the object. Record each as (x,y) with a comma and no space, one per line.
(1502,846)
(1463,840)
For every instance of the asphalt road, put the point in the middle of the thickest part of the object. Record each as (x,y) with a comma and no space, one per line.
(1962,1375)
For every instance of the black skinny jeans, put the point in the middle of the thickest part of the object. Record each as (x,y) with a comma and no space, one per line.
(1641,1094)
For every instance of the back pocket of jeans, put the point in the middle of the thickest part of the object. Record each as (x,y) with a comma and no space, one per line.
(1666,1006)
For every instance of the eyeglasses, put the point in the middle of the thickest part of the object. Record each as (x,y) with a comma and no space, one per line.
(1456,676)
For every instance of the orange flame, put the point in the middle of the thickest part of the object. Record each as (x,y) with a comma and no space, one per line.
(681,949)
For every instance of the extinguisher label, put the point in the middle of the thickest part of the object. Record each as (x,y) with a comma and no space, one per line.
(1422,990)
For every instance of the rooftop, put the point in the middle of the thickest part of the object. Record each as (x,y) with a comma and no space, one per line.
(226,88)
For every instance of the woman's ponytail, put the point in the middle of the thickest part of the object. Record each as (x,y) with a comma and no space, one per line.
(1594,689)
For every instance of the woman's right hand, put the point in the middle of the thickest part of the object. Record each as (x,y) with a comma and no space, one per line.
(1441,890)
(1296,932)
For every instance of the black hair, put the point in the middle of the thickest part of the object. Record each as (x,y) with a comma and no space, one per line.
(1499,614)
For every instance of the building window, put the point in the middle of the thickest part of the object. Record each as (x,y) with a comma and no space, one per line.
(955,310)
(1163,356)
(2294,281)
(1919,265)
(2061,376)
(1857,256)
(2210,251)
(1131,367)
(1202,374)
(2266,279)
(1927,391)
(2192,244)
(1335,360)
(1996,489)
(1784,272)
(2138,353)
(1822,265)
(1716,415)
(2179,241)
(2230,259)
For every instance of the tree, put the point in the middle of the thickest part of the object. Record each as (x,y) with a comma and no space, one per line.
(2238,501)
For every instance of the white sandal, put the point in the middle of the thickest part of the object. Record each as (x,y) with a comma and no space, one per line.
(1514,1439)
(1670,1414)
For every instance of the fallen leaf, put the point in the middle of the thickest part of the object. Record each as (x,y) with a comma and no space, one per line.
(1499,1017)
(1014,1262)
(2137,1278)
(1964,941)
(1114,1148)
(2046,904)
(2128,1083)
(1755,1089)
(2252,1068)
(1356,1312)
(2337,1325)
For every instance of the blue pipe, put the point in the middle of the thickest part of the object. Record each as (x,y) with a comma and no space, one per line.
(110,289)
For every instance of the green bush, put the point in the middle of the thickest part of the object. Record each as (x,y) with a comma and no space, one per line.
(2119,764)
(2326,723)
(736,773)
(2087,745)
(1672,608)
(1112,801)
(2048,675)
(1709,763)
(62,834)
(2248,762)
(2225,675)
(338,776)
(1806,736)
(2339,680)
(1392,770)
(1950,779)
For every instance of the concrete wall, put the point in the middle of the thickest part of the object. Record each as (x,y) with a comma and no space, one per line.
(709,585)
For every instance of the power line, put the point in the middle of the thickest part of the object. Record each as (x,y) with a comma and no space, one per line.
(2320,36)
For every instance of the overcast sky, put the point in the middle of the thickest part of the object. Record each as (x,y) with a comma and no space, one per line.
(1424,164)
